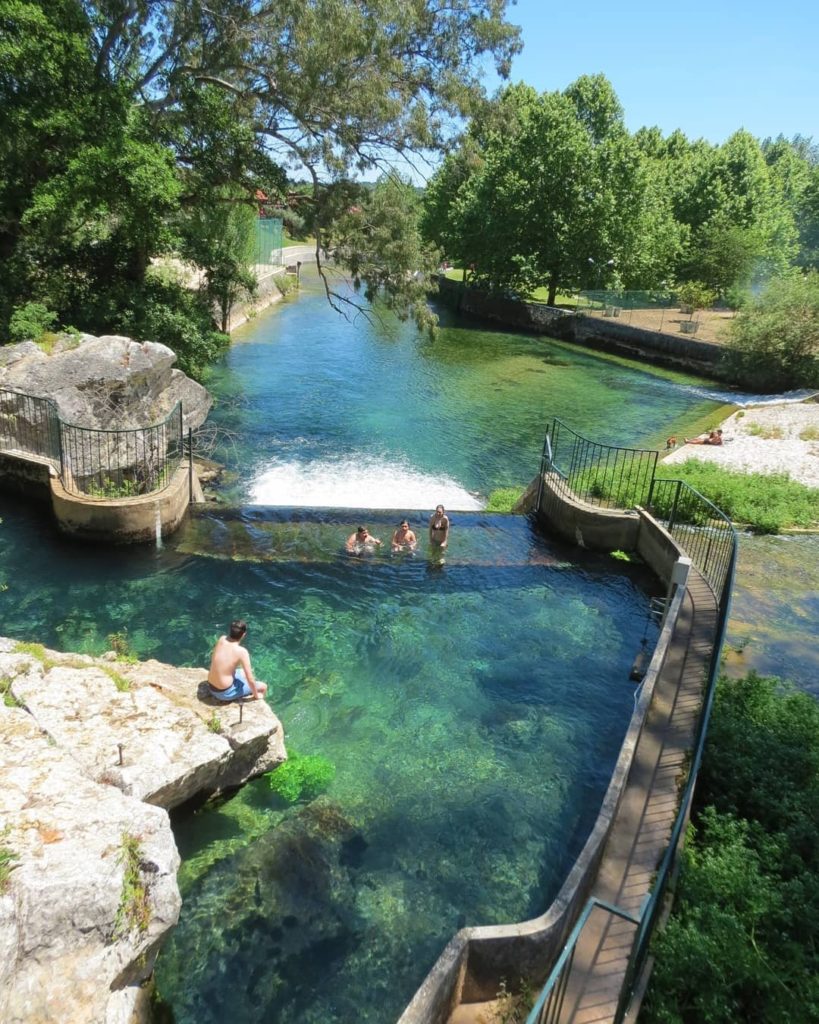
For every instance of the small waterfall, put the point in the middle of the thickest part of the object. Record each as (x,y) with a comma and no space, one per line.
(158,526)
(359,482)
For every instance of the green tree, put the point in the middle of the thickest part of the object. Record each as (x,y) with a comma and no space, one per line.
(549,189)
(775,339)
(123,119)
(379,239)
(742,940)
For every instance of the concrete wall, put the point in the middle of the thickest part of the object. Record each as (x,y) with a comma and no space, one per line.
(267,293)
(588,526)
(123,520)
(27,475)
(608,334)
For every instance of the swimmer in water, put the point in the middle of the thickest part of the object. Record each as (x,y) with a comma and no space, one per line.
(361,542)
(404,539)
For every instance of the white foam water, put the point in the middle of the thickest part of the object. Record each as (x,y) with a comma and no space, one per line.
(745,399)
(363,482)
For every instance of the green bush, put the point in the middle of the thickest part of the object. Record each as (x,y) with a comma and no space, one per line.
(766,503)
(503,499)
(301,777)
(30,321)
(775,339)
(742,943)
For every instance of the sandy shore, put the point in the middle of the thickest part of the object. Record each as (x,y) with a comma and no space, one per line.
(765,439)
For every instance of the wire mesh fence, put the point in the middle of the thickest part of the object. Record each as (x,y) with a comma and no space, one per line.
(269,235)
(651,310)
(96,463)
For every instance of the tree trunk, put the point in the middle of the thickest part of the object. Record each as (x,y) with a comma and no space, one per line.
(552,290)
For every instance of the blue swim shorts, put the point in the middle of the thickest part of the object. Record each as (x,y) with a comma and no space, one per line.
(239,688)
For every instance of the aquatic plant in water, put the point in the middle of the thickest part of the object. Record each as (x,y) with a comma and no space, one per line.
(302,777)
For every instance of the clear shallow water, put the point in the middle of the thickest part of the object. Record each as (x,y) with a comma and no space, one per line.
(315,410)
(472,711)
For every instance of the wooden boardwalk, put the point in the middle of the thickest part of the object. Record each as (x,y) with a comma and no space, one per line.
(646,815)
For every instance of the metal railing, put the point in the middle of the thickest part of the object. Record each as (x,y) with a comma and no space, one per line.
(599,474)
(548,1007)
(92,462)
(29,424)
(705,533)
(708,537)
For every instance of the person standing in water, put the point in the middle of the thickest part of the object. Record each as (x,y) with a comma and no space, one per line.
(230,676)
(403,539)
(439,528)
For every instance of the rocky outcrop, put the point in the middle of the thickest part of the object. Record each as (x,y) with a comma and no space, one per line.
(105,382)
(92,752)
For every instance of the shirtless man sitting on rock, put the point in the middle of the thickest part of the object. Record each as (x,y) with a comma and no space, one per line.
(230,676)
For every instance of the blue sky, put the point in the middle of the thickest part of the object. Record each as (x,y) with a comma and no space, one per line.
(707,68)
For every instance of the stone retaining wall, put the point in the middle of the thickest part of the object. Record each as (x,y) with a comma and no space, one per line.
(145,518)
(608,334)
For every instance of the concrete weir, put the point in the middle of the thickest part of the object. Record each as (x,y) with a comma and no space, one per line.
(635,819)
(143,518)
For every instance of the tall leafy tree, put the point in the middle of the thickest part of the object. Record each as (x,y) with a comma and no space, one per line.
(558,194)
(168,107)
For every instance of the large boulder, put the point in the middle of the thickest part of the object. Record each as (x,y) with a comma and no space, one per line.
(69,944)
(88,748)
(107,382)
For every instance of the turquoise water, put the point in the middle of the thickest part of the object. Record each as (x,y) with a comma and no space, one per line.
(470,711)
(775,610)
(316,410)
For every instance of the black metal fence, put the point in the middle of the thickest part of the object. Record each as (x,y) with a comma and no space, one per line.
(708,537)
(92,462)
(704,532)
(29,425)
(599,474)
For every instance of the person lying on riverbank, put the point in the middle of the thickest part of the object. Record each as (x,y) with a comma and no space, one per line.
(362,542)
(231,676)
(715,437)
(404,539)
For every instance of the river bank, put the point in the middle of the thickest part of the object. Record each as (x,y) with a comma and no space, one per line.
(764,439)
(93,754)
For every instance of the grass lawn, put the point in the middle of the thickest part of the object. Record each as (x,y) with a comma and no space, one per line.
(288,239)
(538,295)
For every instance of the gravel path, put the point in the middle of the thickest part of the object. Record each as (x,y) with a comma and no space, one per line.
(765,439)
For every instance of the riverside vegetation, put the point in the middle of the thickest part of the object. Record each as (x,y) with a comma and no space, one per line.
(743,939)
(762,502)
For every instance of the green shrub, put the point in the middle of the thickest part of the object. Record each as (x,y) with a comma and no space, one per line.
(503,499)
(775,339)
(30,321)
(741,944)
(764,502)
(134,911)
(302,777)
(8,862)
